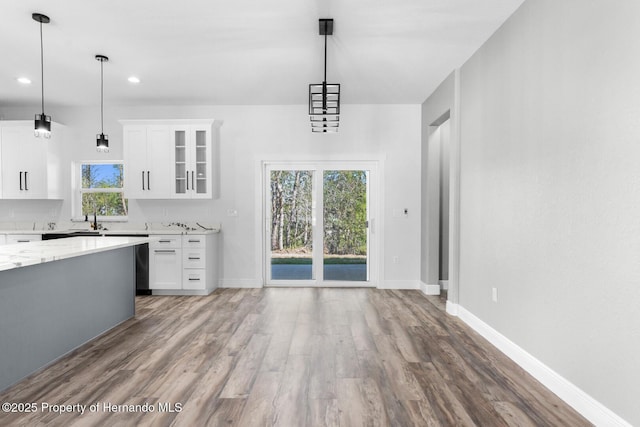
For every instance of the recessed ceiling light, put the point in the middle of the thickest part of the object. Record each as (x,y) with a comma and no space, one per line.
(133,79)
(24,80)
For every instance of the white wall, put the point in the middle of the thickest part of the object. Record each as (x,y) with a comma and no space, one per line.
(550,191)
(387,133)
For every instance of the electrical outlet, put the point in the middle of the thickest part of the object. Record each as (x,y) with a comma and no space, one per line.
(232,212)
(494,294)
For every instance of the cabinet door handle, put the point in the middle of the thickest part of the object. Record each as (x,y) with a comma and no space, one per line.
(164,241)
(165,251)
(26,181)
(193,280)
(187,180)
(193,187)
(23,241)
(142,180)
(148,181)
(194,241)
(20,180)
(193,257)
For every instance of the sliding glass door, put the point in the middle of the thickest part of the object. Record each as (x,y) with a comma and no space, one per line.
(291,225)
(317,225)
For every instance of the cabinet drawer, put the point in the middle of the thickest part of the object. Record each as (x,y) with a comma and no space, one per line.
(22,238)
(193,258)
(193,241)
(194,279)
(165,242)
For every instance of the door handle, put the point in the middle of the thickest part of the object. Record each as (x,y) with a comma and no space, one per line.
(26,181)
(142,180)
(187,180)
(20,180)
(193,187)
(148,181)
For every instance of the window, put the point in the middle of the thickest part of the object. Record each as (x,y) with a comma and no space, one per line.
(101,190)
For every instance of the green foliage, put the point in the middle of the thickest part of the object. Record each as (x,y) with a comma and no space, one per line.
(345,211)
(106,203)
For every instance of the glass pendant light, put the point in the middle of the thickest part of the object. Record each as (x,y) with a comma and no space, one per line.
(102,140)
(42,123)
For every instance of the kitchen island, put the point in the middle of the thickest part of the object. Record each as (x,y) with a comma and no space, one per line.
(56,295)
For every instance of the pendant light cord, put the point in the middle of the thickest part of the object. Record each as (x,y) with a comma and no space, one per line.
(42,68)
(101,99)
(325,53)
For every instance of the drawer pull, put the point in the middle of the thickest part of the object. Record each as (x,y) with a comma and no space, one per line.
(193,257)
(164,241)
(193,280)
(165,251)
(194,241)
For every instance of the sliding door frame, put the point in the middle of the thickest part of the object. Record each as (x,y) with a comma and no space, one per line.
(373,240)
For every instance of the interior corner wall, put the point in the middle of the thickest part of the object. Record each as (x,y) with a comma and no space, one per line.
(442,103)
(389,134)
(550,191)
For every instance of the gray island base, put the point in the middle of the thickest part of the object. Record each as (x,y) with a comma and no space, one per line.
(50,308)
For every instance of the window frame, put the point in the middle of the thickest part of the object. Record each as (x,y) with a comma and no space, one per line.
(78,191)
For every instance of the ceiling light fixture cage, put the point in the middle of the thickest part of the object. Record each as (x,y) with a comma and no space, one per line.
(102,140)
(42,122)
(324,98)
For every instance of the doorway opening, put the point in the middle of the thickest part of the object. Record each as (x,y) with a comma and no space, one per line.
(318,220)
(436,200)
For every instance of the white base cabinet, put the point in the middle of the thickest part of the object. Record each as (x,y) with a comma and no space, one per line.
(183,264)
(165,262)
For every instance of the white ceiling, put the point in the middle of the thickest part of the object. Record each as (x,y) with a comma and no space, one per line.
(201,52)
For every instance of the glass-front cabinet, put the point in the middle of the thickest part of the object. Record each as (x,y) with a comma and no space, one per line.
(192,161)
(172,159)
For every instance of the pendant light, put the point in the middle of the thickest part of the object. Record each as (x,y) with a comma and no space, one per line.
(42,123)
(102,140)
(324,98)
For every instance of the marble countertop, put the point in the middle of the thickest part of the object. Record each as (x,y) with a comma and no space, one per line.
(31,253)
(110,232)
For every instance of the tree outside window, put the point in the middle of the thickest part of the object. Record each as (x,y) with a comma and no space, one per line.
(102,191)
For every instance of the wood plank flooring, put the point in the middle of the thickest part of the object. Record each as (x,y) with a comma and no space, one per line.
(290,357)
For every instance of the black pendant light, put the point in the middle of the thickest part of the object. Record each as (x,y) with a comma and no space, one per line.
(42,124)
(324,98)
(102,140)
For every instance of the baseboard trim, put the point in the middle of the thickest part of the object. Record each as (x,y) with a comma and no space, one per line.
(241,283)
(586,405)
(452,308)
(429,289)
(444,284)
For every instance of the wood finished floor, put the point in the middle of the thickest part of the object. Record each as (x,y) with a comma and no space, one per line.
(293,357)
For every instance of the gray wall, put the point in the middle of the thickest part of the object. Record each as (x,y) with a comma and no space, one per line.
(549,190)
(442,105)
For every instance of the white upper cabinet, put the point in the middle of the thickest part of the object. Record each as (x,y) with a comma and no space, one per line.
(30,166)
(171,159)
(192,159)
(147,156)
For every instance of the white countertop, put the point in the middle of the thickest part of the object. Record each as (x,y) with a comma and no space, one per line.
(31,253)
